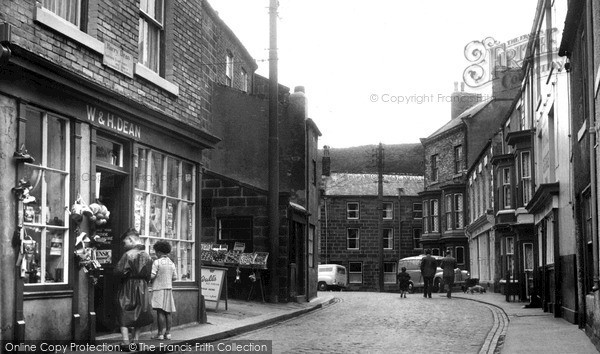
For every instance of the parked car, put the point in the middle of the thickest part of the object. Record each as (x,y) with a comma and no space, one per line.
(332,276)
(413,268)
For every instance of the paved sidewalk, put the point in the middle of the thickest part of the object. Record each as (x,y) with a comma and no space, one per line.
(241,316)
(529,330)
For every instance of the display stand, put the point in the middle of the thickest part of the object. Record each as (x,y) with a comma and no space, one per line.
(260,285)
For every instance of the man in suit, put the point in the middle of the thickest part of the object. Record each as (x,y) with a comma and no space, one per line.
(428,269)
(448,265)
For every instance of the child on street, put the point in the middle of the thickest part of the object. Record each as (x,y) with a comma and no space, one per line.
(163,274)
(404,282)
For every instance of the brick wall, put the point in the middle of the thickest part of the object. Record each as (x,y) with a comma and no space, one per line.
(195,45)
(443,146)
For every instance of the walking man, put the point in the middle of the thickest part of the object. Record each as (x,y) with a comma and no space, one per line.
(428,268)
(448,265)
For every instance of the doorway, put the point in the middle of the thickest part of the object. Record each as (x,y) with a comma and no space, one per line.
(111,190)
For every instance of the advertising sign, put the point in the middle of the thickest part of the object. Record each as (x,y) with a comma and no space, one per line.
(212,283)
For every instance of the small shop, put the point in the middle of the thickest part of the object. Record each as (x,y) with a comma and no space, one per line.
(87,168)
(243,273)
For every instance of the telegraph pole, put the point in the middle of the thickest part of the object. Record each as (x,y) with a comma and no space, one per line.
(273,152)
(380,209)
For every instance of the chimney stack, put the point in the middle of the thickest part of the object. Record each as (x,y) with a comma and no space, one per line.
(326,162)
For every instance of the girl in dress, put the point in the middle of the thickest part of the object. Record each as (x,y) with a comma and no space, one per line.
(163,274)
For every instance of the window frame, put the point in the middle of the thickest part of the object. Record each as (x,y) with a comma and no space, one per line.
(352,274)
(506,188)
(349,211)
(42,223)
(460,256)
(417,240)
(417,212)
(355,237)
(459,217)
(156,23)
(244,79)
(426,221)
(389,277)
(388,235)
(387,213)
(526,190)
(434,216)
(147,194)
(434,167)
(448,211)
(458,157)
(229,68)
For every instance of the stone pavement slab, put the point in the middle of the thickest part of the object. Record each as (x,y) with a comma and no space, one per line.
(530,330)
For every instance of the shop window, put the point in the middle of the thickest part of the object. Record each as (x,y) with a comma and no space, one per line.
(460,255)
(417,210)
(388,210)
(151,28)
(355,273)
(165,206)
(45,219)
(353,239)
(388,239)
(352,210)
(109,152)
(416,238)
(389,272)
(235,229)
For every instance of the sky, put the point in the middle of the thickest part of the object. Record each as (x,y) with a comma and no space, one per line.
(376,71)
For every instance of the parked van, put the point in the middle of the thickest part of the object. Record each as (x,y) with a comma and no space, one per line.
(332,276)
(413,268)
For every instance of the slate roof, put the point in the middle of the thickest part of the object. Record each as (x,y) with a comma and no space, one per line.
(458,120)
(365,184)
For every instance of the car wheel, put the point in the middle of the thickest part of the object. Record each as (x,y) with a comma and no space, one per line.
(322,286)
(411,288)
(437,285)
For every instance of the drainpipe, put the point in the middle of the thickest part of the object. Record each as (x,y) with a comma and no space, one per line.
(592,133)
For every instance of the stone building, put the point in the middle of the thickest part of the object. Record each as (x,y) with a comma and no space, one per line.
(350,217)
(449,152)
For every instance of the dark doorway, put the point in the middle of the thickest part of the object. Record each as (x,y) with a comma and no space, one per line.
(113,194)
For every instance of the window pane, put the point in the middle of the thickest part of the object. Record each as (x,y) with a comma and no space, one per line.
(186,265)
(141,165)
(55,198)
(140,212)
(157,173)
(31,256)
(33,135)
(186,221)
(156,204)
(57,143)
(187,187)
(172,177)
(171,219)
(55,256)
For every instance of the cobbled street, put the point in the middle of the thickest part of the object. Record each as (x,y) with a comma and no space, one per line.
(368,322)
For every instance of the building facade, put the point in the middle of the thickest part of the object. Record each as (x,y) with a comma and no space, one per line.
(111,107)
(578,46)
(351,216)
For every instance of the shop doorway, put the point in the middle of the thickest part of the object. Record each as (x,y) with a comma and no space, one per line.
(111,190)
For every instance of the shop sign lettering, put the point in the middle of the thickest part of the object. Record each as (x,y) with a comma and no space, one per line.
(113,122)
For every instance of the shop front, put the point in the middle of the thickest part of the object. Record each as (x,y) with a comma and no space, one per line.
(88,165)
